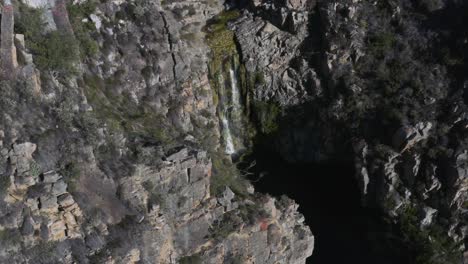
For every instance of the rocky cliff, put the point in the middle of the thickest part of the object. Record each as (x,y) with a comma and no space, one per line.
(110,143)
(122,123)
(381,84)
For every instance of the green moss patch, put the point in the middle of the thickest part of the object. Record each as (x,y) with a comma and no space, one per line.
(267,114)
(221,39)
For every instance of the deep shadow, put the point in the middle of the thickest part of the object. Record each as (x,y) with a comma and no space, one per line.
(329,198)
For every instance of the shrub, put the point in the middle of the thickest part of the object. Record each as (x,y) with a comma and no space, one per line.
(71,174)
(34,169)
(123,114)
(9,237)
(426,246)
(77,12)
(5,182)
(229,223)
(381,43)
(194,259)
(52,51)
(267,115)
(221,39)
(56,51)
(225,174)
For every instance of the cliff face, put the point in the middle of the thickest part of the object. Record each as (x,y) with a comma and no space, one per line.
(120,121)
(110,144)
(381,84)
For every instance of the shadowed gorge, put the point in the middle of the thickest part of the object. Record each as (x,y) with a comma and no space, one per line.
(330,200)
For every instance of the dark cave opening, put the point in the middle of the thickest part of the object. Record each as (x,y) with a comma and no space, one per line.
(329,198)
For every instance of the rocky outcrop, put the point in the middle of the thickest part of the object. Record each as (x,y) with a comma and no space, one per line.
(169,210)
(284,76)
(115,159)
(8,50)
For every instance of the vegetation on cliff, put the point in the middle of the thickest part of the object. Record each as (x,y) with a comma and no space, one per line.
(52,50)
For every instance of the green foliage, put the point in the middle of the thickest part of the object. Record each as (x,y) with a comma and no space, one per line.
(65,112)
(89,124)
(251,213)
(122,114)
(83,30)
(83,9)
(57,51)
(426,246)
(189,36)
(221,39)
(9,237)
(5,182)
(229,223)
(53,50)
(194,259)
(44,252)
(267,115)
(379,44)
(71,174)
(259,79)
(237,260)
(34,169)
(225,174)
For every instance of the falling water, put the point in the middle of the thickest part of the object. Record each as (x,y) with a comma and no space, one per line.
(227,135)
(235,97)
(224,112)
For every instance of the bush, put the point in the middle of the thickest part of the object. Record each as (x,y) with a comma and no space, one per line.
(381,43)
(71,174)
(52,51)
(5,182)
(77,12)
(195,259)
(122,114)
(221,229)
(221,39)
(225,174)
(430,246)
(267,115)
(56,51)
(34,169)
(9,237)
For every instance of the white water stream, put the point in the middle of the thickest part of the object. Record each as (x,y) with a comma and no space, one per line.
(228,137)
(235,94)
(229,109)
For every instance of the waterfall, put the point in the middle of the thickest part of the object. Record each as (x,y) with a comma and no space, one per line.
(224,113)
(235,96)
(230,108)
(228,137)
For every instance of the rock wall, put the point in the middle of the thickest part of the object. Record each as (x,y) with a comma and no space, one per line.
(379,84)
(8,50)
(115,160)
